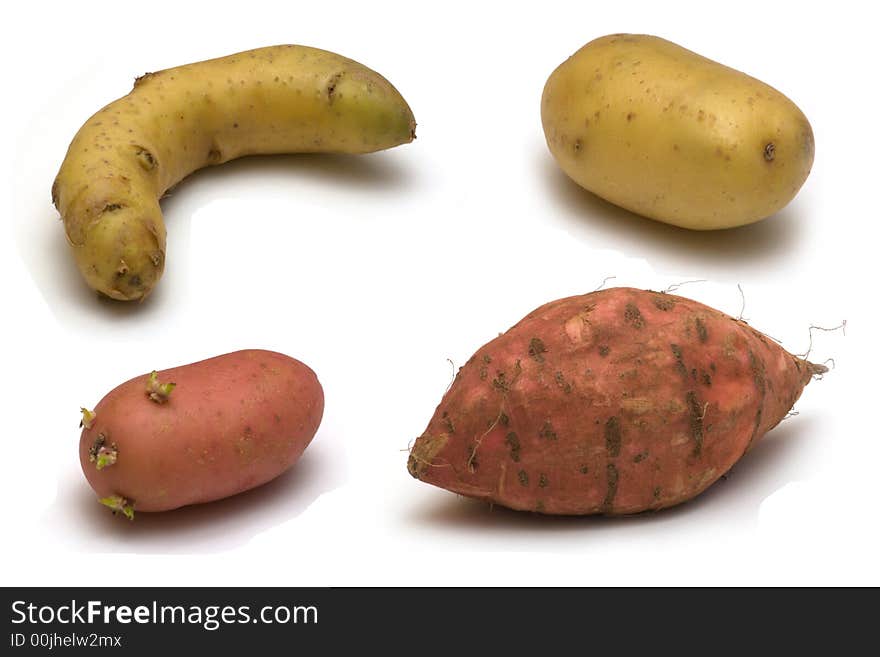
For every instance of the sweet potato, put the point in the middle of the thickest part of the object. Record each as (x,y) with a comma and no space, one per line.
(613,402)
(199,432)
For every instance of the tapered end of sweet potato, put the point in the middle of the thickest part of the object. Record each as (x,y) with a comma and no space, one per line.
(421,457)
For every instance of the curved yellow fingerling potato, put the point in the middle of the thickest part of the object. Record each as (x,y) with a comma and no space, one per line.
(280,99)
(668,134)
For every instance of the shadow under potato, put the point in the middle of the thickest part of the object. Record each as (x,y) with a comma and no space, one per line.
(211,527)
(737,497)
(764,241)
(374,171)
(62,285)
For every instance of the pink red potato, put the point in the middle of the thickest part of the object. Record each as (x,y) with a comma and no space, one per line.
(199,432)
(613,402)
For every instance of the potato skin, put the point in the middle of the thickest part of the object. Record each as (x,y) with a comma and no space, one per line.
(614,402)
(231,423)
(279,99)
(670,135)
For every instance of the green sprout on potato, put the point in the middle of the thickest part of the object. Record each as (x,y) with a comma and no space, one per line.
(106,456)
(102,455)
(119,504)
(157,391)
(88,417)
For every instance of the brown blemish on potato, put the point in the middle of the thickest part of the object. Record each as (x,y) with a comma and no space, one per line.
(612,477)
(537,349)
(613,436)
(423,452)
(664,303)
(331,86)
(512,441)
(633,316)
(679,361)
(523,478)
(604,350)
(759,377)
(140,79)
(770,152)
(447,421)
(547,432)
(502,383)
(543,481)
(702,333)
(145,158)
(696,413)
(562,383)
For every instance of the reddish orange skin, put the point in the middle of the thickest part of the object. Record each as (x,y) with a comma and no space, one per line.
(613,402)
(232,422)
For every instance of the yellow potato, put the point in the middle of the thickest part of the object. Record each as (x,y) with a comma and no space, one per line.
(673,136)
(280,99)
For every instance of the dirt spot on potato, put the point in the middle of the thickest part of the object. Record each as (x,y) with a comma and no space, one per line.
(523,478)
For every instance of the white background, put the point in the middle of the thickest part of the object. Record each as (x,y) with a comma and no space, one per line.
(378,270)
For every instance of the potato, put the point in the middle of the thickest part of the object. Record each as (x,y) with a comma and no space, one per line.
(280,99)
(199,432)
(673,136)
(613,402)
